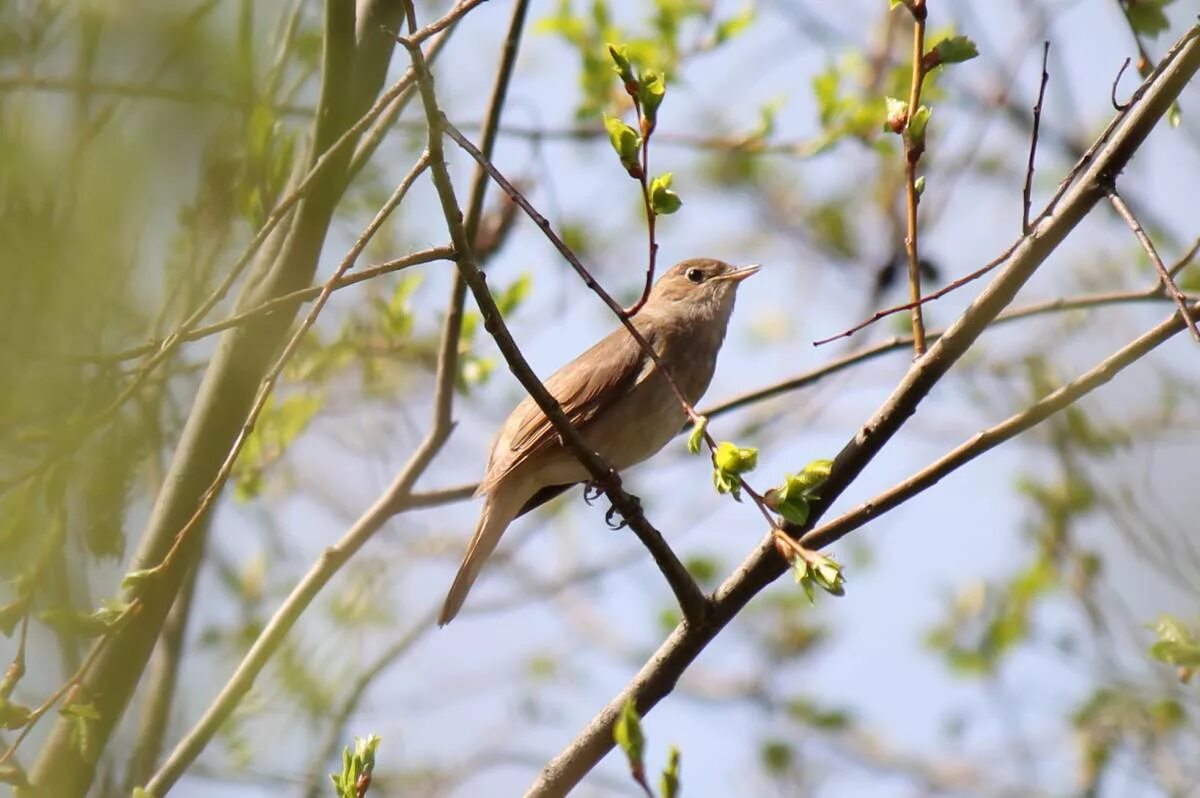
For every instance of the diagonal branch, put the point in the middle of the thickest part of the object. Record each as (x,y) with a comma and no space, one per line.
(1164,275)
(1075,199)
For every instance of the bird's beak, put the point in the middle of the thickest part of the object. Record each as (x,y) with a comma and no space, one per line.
(737,275)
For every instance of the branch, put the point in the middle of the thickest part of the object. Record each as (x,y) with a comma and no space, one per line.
(1073,201)
(691,599)
(1164,275)
(281,303)
(992,437)
(912,156)
(1027,192)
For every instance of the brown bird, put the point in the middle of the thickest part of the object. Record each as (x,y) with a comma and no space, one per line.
(615,395)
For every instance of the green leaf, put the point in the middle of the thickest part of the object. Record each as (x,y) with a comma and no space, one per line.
(697,437)
(625,141)
(919,185)
(662,199)
(794,509)
(652,90)
(813,476)
(620,56)
(777,756)
(734,26)
(13,716)
(1147,16)
(917,124)
(627,733)
(734,459)
(669,786)
(955,50)
(137,579)
(511,297)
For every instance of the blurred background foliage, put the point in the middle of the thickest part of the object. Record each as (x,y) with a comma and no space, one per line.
(1029,628)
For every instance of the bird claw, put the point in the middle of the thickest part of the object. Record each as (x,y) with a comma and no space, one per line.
(608,520)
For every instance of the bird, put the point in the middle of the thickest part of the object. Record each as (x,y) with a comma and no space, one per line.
(615,395)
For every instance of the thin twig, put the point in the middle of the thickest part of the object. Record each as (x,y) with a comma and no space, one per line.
(651,217)
(912,156)
(1027,193)
(1164,274)
(282,302)
(938,294)
(1112,94)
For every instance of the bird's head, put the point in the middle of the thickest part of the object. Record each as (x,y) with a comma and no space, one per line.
(701,287)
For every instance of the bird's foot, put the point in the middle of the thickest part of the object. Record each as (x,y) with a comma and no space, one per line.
(636,508)
(594,487)
(592,490)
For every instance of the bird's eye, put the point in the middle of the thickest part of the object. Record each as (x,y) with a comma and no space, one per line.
(695,275)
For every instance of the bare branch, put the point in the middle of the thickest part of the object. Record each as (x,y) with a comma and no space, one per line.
(1027,193)
(1164,275)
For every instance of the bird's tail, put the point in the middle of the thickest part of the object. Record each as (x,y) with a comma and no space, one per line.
(499,509)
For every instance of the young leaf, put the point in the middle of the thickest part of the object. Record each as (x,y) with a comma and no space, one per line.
(355,778)
(669,786)
(627,733)
(697,437)
(662,199)
(626,141)
(651,93)
(620,56)
(728,28)
(917,124)
(734,459)
(955,50)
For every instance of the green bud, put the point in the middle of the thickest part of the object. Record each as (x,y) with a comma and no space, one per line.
(697,436)
(651,93)
(917,124)
(662,199)
(627,733)
(625,141)
(734,459)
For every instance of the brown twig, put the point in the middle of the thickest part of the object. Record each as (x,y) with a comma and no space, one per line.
(912,156)
(1164,274)
(1112,94)
(651,217)
(938,294)
(1027,192)
(280,303)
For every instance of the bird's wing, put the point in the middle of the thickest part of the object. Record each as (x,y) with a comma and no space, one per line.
(584,387)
